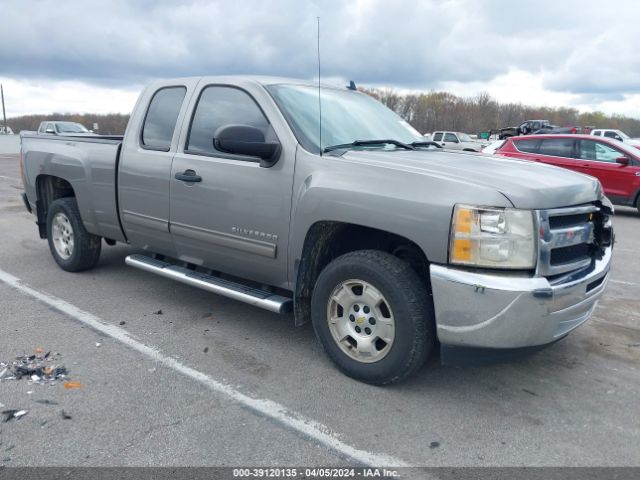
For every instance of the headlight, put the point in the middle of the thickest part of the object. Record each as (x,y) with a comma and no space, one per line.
(492,238)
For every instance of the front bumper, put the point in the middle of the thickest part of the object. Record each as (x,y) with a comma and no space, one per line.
(503,310)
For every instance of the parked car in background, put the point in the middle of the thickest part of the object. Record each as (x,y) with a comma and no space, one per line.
(457,141)
(492,147)
(615,164)
(55,127)
(616,135)
(5,130)
(525,128)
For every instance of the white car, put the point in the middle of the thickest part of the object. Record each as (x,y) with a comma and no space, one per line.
(492,147)
(457,141)
(616,135)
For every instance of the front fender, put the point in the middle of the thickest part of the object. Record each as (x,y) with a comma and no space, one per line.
(414,206)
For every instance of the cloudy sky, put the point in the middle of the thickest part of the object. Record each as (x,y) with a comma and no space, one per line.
(94,56)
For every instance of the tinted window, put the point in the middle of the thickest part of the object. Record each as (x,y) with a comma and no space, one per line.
(587,150)
(219,106)
(529,146)
(437,137)
(162,116)
(450,137)
(557,147)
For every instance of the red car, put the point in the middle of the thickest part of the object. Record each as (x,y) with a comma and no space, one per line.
(615,164)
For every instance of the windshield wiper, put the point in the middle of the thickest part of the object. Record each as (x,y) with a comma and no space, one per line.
(363,143)
(425,144)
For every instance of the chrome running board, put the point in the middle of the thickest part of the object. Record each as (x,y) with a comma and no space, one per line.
(237,291)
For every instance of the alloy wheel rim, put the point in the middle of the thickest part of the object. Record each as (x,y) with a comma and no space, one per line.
(361,321)
(62,235)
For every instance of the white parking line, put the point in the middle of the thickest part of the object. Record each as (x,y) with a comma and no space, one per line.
(11,179)
(268,408)
(622,282)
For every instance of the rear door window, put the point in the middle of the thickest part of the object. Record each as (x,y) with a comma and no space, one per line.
(587,150)
(437,137)
(219,106)
(528,146)
(557,147)
(162,115)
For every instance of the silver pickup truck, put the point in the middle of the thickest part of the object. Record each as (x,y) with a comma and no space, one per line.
(389,245)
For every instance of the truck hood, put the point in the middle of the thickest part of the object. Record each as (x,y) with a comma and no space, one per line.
(524,183)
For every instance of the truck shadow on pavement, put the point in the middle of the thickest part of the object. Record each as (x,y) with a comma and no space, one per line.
(262,350)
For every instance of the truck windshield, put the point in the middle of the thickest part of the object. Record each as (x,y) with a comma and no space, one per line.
(347,116)
(70,127)
(623,135)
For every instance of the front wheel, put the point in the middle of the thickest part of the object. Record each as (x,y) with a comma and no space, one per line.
(73,248)
(373,316)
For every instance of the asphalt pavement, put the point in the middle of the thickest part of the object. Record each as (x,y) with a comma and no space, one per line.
(212,382)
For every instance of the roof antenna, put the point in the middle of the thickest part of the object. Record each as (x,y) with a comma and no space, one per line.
(319,102)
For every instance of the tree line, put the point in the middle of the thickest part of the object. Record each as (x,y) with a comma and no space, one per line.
(431,111)
(425,111)
(108,124)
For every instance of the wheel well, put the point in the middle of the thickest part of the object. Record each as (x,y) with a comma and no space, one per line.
(328,240)
(48,189)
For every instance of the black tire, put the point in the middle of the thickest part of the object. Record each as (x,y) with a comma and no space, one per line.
(86,246)
(407,298)
(638,203)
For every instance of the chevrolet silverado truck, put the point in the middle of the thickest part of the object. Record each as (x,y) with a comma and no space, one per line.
(390,247)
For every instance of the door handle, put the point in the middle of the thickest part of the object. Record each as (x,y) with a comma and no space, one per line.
(188,176)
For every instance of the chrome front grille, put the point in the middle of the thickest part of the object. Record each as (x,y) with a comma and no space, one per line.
(569,238)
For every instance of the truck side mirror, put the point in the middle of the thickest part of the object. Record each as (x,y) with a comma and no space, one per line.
(246,140)
(624,161)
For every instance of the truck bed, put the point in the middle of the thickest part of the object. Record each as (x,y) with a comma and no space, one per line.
(90,163)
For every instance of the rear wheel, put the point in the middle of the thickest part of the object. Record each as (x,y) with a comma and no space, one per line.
(638,203)
(373,316)
(73,248)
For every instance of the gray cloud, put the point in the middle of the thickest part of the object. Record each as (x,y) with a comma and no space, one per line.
(575,47)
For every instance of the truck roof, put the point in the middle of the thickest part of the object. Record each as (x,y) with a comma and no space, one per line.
(263,80)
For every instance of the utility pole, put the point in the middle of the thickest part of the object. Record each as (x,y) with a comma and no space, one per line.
(4,114)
